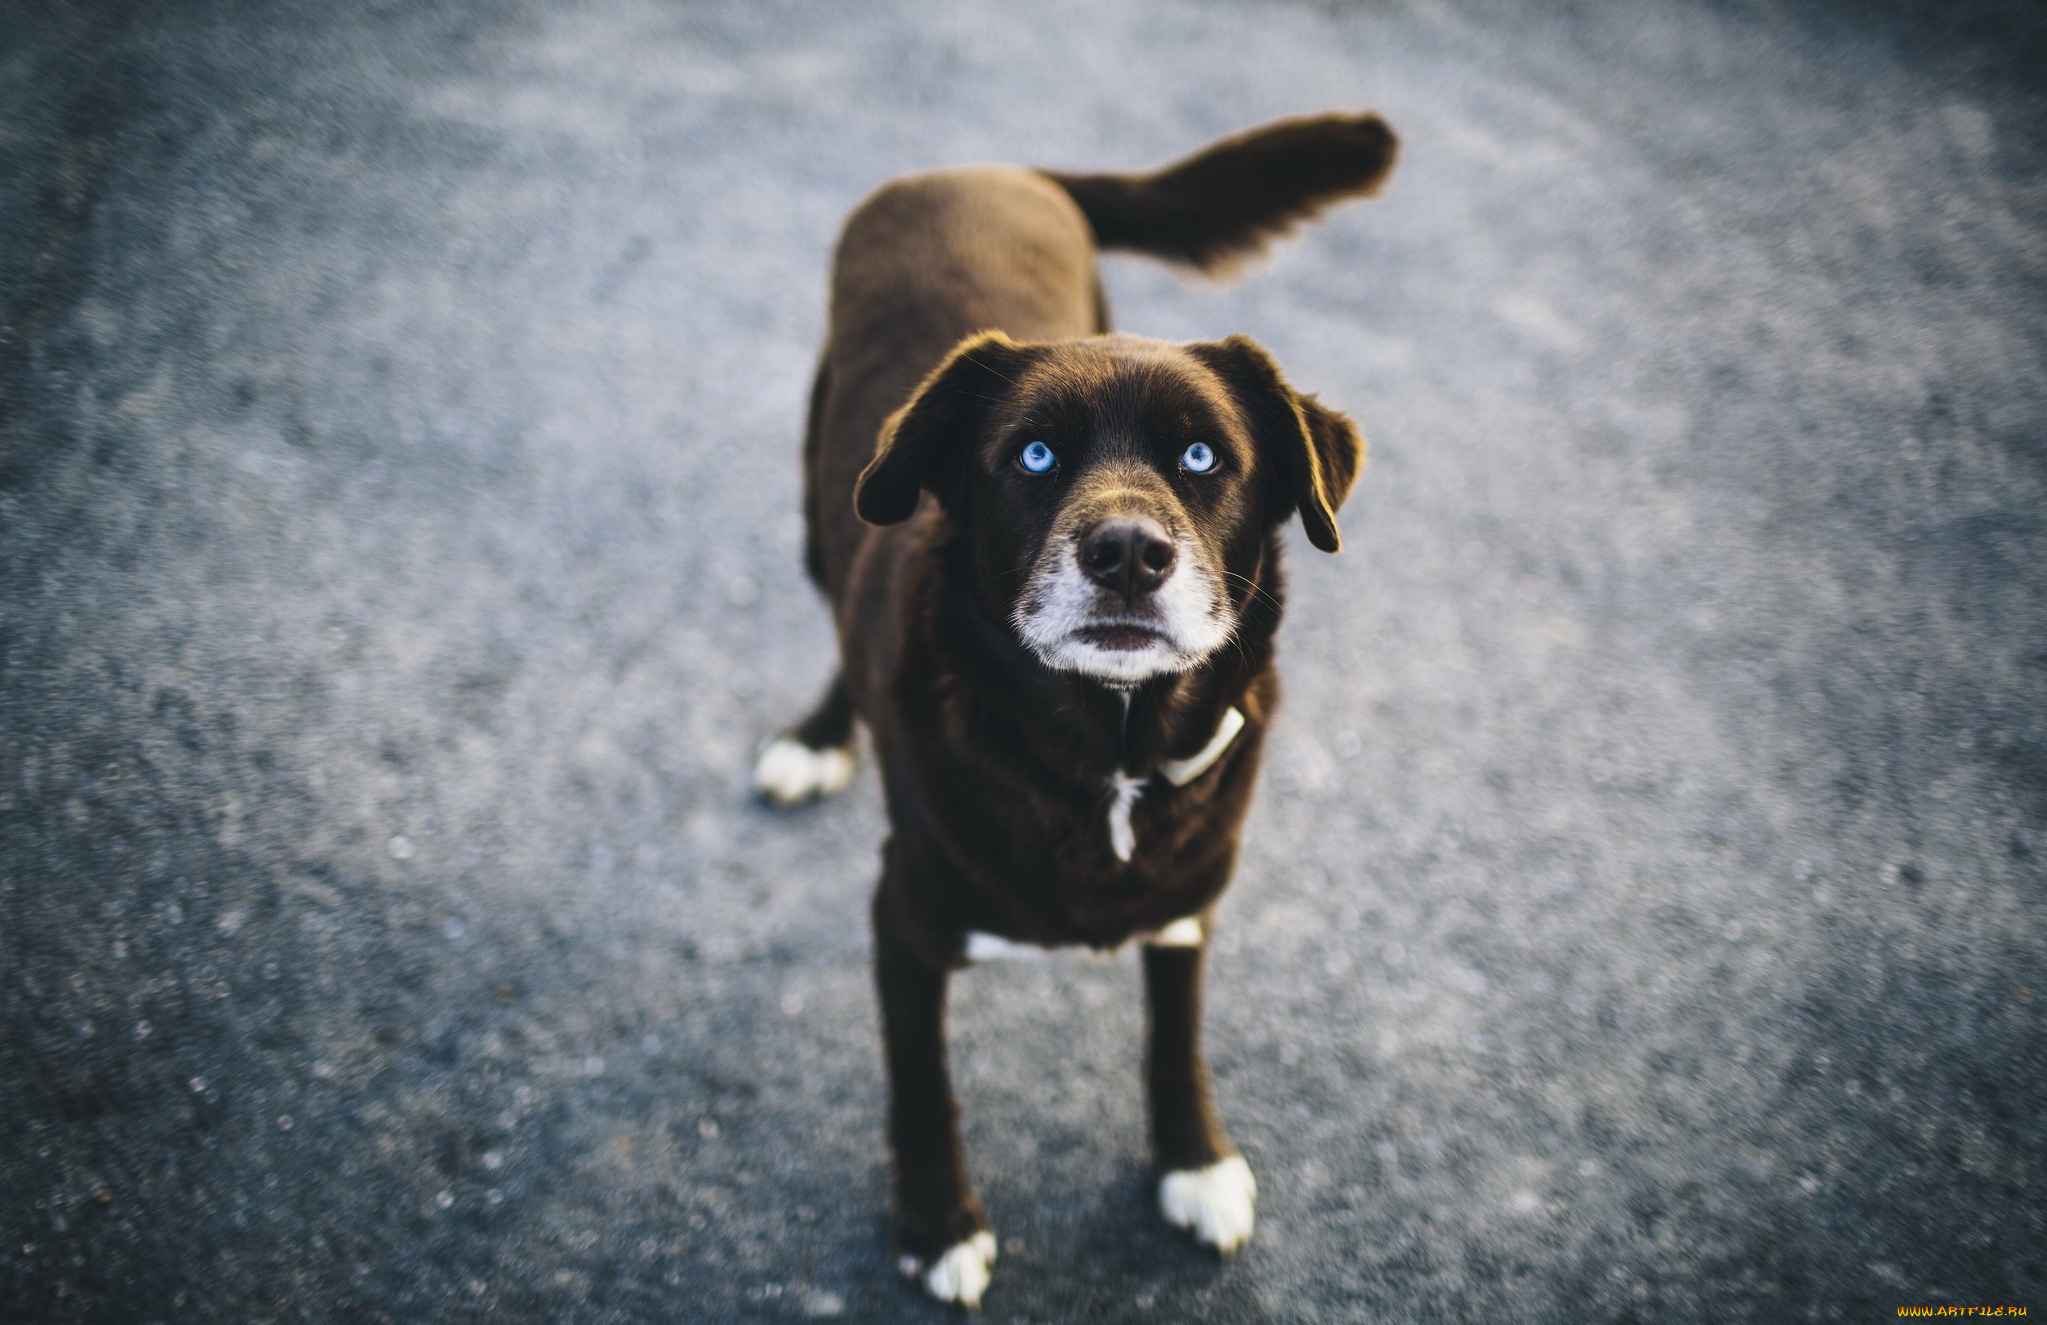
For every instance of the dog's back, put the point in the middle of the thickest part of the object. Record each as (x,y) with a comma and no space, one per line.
(923,263)
(927,260)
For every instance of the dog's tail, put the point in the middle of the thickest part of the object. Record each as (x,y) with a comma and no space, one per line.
(1220,206)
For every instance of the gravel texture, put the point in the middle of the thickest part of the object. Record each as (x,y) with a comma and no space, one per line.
(1642,917)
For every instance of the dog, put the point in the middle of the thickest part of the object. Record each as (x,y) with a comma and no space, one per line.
(1053,557)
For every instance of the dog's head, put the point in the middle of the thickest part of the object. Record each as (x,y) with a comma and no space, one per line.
(1117,493)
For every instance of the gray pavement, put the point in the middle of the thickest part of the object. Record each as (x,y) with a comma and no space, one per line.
(1642,916)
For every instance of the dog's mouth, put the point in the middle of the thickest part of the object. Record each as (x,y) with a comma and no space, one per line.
(1122,636)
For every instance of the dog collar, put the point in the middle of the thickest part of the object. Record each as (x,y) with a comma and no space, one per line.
(1180,772)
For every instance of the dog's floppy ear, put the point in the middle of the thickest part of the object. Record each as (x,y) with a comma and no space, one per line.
(925,444)
(1316,451)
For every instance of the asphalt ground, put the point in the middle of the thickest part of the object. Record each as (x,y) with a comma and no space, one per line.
(1641,919)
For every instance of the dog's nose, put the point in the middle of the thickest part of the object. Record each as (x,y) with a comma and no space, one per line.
(1129,554)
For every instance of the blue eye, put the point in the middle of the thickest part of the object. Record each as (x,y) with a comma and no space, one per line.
(1037,457)
(1198,458)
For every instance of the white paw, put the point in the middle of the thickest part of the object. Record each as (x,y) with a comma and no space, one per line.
(790,772)
(1216,1203)
(961,1275)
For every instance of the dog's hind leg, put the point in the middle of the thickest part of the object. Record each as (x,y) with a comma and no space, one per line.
(815,757)
(1204,1186)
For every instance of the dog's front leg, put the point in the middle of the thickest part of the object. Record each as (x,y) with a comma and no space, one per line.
(1204,1184)
(941,1233)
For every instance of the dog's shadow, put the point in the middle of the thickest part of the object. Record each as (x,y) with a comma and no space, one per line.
(1121,1261)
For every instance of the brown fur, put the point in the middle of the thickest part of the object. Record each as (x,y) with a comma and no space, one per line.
(966,313)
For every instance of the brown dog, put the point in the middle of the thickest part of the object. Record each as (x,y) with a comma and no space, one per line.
(1053,557)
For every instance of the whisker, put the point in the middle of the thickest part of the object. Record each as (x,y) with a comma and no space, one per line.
(990,368)
(1255,588)
(1008,574)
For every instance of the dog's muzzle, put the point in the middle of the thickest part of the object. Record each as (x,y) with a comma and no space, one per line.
(1121,600)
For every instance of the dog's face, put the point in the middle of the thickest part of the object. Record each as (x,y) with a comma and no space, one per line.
(1117,493)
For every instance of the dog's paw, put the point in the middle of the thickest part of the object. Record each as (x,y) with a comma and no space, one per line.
(960,1276)
(1216,1204)
(790,772)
